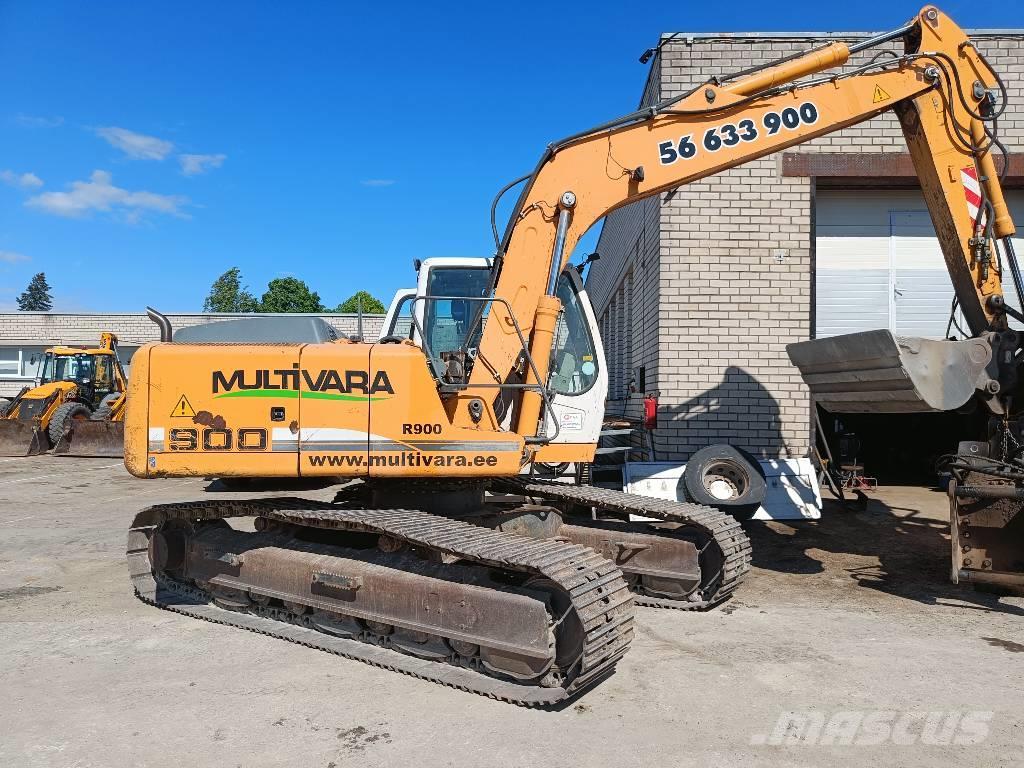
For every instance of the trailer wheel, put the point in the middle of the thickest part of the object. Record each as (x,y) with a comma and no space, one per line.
(62,417)
(727,478)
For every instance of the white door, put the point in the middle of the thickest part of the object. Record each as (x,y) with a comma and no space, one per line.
(879,265)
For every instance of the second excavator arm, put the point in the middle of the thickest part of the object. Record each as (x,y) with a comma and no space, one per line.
(941,88)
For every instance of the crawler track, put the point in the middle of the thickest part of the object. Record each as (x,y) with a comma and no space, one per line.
(722,530)
(593,586)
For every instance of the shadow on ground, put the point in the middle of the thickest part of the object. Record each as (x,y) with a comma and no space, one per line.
(912,548)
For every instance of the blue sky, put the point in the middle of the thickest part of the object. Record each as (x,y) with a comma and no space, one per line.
(147,147)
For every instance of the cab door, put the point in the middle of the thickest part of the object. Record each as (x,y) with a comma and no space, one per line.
(577,376)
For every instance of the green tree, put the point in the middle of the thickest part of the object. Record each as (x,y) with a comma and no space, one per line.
(289,294)
(371,305)
(36,297)
(228,295)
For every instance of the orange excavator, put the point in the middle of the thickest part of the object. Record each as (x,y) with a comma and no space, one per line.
(438,559)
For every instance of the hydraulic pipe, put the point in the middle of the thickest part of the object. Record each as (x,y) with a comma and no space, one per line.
(989,179)
(544,321)
(834,55)
(881,39)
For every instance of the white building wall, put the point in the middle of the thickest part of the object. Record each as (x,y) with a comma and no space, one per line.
(24,334)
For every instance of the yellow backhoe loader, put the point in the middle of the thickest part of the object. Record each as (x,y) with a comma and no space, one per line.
(77,407)
(440,560)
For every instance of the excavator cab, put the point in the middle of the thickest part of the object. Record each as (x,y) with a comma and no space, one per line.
(441,307)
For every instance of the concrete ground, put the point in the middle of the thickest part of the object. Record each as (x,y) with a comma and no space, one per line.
(848,623)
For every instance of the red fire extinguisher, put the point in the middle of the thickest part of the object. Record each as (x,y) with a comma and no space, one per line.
(651,412)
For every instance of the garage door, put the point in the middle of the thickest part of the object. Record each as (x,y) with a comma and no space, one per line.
(878,265)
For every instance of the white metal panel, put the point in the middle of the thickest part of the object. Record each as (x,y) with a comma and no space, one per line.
(792,491)
(850,300)
(922,293)
(879,265)
(852,263)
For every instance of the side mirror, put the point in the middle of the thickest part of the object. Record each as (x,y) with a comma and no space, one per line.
(33,360)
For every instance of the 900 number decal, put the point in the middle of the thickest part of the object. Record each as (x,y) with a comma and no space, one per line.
(729,135)
(213,439)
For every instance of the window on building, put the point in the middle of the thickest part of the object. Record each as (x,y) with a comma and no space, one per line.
(10,362)
(20,362)
(627,334)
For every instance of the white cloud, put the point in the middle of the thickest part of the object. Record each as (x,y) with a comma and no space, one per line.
(10,257)
(23,180)
(99,194)
(377,182)
(136,145)
(32,121)
(193,165)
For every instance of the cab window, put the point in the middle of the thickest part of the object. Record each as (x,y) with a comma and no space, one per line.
(573,363)
(401,322)
(449,316)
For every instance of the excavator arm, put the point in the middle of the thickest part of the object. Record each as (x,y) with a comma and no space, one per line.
(940,88)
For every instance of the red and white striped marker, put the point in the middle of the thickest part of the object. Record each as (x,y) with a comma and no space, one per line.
(972,190)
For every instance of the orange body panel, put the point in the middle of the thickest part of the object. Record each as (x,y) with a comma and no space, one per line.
(340,409)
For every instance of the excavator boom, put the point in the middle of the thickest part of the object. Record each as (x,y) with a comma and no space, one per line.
(939,88)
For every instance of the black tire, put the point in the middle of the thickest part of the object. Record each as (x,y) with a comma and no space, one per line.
(752,460)
(62,417)
(727,478)
(102,412)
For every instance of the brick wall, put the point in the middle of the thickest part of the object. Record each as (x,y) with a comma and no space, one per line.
(624,284)
(733,264)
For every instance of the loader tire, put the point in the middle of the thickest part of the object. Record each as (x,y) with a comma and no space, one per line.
(62,417)
(102,412)
(727,478)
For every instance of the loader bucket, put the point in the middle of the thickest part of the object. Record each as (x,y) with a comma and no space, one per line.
(876,372)
(92,438)
(21,438)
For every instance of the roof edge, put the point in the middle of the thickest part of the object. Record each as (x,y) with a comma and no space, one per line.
(818,35)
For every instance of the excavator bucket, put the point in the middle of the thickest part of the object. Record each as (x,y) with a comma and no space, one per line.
(876,372)
(92,438)
(21,438)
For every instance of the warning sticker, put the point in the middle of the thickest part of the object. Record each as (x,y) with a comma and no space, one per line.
(880,95)
(183,408)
